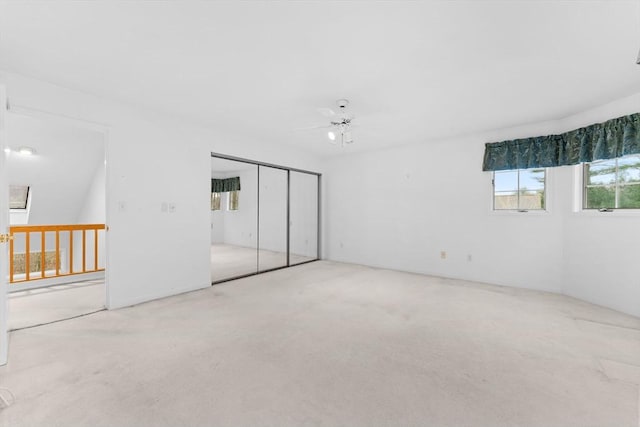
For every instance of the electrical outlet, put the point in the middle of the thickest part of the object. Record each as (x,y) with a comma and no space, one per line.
(443,254)
(469,258)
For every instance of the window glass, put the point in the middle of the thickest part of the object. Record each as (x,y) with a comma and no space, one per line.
(234,197)
(505,190)
(612,183)
(215,201)
(18,196)
(522,189)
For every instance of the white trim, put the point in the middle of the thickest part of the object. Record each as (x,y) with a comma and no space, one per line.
(513,212)
(103,129)
(615,213)
(4,228)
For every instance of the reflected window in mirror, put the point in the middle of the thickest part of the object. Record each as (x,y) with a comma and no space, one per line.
(215,201)
(233,200)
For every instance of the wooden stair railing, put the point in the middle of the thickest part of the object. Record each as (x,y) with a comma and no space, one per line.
(57,271)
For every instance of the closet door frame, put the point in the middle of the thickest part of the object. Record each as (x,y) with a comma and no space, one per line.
(318,226)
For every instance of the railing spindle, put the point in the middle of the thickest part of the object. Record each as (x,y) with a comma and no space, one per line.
(42,260)
(11,257)
(84,251)
(95,249)
(27,255)
(70,251)
(57,252)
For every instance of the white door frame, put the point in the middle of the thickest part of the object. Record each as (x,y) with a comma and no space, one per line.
(39,114)
(4,229)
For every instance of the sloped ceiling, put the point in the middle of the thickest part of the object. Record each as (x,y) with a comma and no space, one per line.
(414,71)
(62,170)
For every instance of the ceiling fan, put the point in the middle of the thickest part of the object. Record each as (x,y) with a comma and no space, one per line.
(340,123)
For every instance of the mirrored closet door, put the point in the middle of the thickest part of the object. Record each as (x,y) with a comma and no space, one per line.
(263,217)
(234,219)
(272,237)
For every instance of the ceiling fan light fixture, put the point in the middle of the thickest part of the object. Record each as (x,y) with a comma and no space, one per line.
(26,151)
(342,103)
(348,138)
(332,135)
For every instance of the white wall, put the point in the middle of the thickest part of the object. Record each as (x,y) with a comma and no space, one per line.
(399,208)
(304,214)
(217,226)
(151,158)
(93,211)
(94,205)
(404,206)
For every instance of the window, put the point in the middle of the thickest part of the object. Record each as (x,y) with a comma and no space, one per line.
(215,201)
(521,189)
(233,200)
(18,196)
(612,183)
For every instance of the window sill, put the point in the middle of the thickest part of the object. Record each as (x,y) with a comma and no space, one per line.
(513,212)
(619,213)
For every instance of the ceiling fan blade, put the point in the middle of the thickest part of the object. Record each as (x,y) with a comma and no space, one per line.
(325,111)
(314,127)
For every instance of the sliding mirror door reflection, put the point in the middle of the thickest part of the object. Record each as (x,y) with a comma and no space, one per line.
(303,219)
(234,219)
(272,241)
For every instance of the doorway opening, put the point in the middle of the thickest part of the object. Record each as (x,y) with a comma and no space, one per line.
(57,214)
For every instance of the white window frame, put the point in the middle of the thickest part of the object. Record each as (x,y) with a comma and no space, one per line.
(580,196)
(547,197)
(26,203)
(20,216)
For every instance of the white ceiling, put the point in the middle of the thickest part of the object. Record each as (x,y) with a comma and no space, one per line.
(414,71)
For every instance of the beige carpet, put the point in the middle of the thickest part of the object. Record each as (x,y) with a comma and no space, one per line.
(44,305)
(229,261)
(328,344)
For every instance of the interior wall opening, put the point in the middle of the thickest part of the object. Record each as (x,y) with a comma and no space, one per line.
(57,255)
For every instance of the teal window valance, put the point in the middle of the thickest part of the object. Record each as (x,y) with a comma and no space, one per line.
(613,138)
(225,185)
